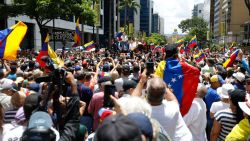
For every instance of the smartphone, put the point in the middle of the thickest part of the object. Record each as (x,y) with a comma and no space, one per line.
(19,85)
(150,68)
(108,90)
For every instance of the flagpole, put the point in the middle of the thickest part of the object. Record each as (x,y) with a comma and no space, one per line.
(54,41)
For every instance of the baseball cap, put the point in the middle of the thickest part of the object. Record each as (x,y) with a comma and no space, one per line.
(217,78)
(103,113)
(118,128)
(6,83)
(223,91)
(245,106)
(239,76)
(77,68)
(39,119)
(143,122)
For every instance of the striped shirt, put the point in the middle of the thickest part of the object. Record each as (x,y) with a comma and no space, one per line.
(227,120)
(9,116)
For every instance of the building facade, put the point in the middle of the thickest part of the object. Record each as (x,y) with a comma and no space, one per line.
(217,20)
(198,10)
(156,23)
(60,29)
(146,12)
(230,17)
(162,26)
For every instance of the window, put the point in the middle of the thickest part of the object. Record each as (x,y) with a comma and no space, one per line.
(199,11)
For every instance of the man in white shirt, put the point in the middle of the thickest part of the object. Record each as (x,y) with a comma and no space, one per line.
(166,111)
(196,119)
(224,103)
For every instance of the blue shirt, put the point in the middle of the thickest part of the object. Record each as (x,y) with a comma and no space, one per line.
(209,99)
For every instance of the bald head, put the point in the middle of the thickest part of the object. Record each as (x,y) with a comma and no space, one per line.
(201,91)
(156,88)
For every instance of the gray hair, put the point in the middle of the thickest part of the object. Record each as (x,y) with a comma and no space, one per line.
(201,90)
(135,104)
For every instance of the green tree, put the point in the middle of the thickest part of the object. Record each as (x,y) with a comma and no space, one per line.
(195,26)
(128,5)
(157,39)
(43,11)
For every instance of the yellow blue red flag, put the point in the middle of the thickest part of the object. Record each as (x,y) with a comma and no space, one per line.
(77,37)
(230,61)
(193,42)
(10,40)
(180,43)
(200,56)
(90,46)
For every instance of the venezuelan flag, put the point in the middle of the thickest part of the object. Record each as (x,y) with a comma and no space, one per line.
(182,78)
(193,42)
(43,52)
(180,43)
(119,36)
(89,46)
(199,57)
(57,60)
(10,40)
(77,37)
(231,60)
(48,51)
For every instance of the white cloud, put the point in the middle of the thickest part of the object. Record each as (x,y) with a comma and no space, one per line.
(174,11)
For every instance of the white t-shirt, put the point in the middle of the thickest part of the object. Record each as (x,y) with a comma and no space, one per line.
(168,115)
(5,101)
(119,83)
(218,106)
(196,120)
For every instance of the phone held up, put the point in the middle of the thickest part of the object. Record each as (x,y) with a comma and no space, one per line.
(108,90)
(150,68)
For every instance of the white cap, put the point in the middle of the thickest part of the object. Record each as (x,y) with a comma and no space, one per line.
(239,76)
(223,91)
(245,106)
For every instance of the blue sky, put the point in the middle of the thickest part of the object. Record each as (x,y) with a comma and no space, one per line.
(174,11)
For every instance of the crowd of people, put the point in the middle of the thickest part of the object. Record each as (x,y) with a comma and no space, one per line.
(113,96)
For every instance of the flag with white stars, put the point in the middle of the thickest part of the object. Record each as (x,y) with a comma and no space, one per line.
(183,79)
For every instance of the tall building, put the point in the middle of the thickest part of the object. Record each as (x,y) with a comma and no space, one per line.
(133,18)
(230,17)
(62,31)
(198,10)
(156,23)
(146,13)
(162,26)
(211,23)
(217,19)
(206,10)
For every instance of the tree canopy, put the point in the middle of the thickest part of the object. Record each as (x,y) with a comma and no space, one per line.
(157,39)
(43,11)
(195,26)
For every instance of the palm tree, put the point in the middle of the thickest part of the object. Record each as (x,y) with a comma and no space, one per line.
(128,4)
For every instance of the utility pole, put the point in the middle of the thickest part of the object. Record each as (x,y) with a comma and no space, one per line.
(53,30)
